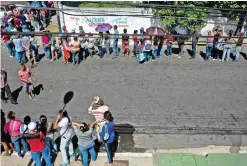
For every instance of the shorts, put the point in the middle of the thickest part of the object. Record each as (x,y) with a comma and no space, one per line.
(28,87)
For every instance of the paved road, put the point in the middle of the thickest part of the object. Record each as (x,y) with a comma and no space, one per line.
(172,104)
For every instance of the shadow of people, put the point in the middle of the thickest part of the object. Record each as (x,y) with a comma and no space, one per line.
(15,93)
(39,57)
(175,50)
(37,89)
(189,52)
(67,98)
(244,55)
(203,55)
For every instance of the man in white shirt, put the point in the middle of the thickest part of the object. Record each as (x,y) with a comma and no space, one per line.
(63,121)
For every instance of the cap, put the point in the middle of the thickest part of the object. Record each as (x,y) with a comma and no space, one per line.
(32,126)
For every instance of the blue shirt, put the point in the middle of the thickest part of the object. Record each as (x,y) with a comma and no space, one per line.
(9,29)
(110,128)
(18,45)
(116,34)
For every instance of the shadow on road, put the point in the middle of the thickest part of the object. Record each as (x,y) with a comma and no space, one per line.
(37,89)
(15,93)
(244,55)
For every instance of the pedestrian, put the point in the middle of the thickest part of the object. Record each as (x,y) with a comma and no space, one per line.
(147,48)
(142,36)
(227,47)
(34,49)
(115,42)
(27,79)
(19,50)
(83,43)
(125,42)
(43,18)
(46,45)
(180,41)
(99,112)
(99,44)
(217,33)
(209,46)
(160,46)
(5,138)
(75,50)
(169,43)
(195,39)
(34,18)
(53,52)
(47,129)
(37,144)
(135,39)
(239,43)
(84,133)
(245,29)
(155,50)
(91,45)
(5,88)
(63,121)
(108,135)
(66,51)
(9,44)
(24,126)
(26,44)
(107,44)
(13,128)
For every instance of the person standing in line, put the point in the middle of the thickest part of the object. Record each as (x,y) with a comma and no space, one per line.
(84,133)
(26,44)
(215,43)
(169,44)
(209,46)
(195,39)
(147,48)
(53,44)
(160,46)
(5,138)
(63,121)
(239,43)
(13,128)
(107,44)
(34,49)
(91,45)
(227,47)
(180,41)
(108,135)
(99,43)
(75,50)
(142,36)
(19,50)
(8,44)
(37,145)
(66,51)
(155,50)
(115,42)
(5,88)
(125,42)
(135,39)
(46,45)
(27,79)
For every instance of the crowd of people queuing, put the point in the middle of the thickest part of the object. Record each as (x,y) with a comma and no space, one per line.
(75,48)
(37,139)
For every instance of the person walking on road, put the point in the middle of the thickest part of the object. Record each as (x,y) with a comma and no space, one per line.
(115,42)
(84,133)
(27,79)
(63,121)
(13,128)
(5,88)
(108,135)
(37,144)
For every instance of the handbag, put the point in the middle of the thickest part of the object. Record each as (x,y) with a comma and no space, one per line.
(106,136)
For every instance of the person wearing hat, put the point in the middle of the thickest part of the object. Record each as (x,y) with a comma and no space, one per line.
(37,145)
(13,128)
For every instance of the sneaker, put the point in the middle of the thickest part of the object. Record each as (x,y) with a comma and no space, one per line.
(27,154)
(179,56)
(11,56)
(214,59)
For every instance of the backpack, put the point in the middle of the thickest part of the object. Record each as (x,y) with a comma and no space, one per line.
(147,46)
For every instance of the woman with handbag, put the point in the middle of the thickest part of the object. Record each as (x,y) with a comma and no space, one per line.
(108,135)
(84,133)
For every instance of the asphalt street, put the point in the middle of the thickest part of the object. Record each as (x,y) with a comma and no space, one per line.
(172,104)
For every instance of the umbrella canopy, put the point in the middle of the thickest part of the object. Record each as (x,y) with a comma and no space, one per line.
(155,31)
(180,30)
(103,27)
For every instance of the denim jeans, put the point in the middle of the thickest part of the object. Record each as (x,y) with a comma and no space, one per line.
(181,50)
(100,51)
(85,155)
(16,141)
(47,51)
(194,49)
(209,50)
(75,57)
(109,151)
(46,153)
(238,49)
(107,45)
(66,141)
(115,47)
(160,50)
(49,139)
(11,48)
(21,57)
(226,52)
(169,49)
(146,55)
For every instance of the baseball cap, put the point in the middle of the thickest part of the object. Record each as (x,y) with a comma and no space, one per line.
(32,126)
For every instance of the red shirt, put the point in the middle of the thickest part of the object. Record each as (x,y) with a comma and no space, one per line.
(25,76)
(170,38)
(135,38)
(45,39)
(17,22)
(37,144)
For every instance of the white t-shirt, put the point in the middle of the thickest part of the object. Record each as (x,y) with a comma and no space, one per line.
(66,130)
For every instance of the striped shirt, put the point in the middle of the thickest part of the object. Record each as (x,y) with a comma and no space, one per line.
(25,76)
